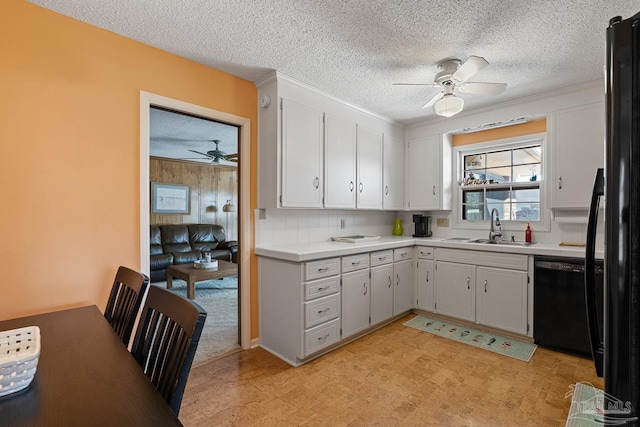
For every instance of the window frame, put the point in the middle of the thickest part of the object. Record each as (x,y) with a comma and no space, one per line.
(495,145)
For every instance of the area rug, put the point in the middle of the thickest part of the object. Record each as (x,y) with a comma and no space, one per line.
(219,298)
(520,350)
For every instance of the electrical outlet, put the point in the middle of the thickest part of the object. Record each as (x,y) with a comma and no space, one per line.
(442,222)
(262,214)
(342,221)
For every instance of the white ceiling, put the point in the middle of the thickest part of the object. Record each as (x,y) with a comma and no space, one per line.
(356,49)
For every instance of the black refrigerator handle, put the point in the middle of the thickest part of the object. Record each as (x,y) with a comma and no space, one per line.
(597,342)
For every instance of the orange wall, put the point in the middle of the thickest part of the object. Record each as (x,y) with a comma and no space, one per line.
(500,133)
(69,129)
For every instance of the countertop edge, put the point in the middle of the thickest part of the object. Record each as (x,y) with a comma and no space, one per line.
(326,249)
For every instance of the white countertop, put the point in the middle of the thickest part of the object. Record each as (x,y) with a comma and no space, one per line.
(299,252)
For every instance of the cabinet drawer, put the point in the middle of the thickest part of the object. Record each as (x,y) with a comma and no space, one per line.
(321,288)
(424,252)
(402,254)
(322,336)
(381,257)
(322,268)
(355,262)
(320,310)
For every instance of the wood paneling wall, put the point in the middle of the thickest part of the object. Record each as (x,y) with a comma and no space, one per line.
(210,188)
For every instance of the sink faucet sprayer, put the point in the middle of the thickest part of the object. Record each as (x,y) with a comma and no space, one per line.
(493,234)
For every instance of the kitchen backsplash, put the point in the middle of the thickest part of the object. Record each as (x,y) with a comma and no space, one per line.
(290,226)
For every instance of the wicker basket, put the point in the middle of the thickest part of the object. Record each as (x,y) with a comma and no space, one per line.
(19,352)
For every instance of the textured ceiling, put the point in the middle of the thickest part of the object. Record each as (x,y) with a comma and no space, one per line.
(356,49)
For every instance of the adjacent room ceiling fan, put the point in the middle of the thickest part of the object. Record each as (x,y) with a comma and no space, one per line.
(217,154)
(454,75)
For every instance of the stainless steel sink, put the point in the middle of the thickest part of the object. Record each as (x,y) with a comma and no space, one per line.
(500,242)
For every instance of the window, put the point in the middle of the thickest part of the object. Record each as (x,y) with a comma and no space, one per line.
(505,178)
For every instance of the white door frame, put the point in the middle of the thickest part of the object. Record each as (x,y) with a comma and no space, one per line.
(244,225)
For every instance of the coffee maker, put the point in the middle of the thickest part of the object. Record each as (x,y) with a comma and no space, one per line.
(423,226)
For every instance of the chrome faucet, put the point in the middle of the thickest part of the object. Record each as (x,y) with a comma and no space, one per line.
(493,234)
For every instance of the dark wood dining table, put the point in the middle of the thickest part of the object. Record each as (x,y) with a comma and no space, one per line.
(85,377)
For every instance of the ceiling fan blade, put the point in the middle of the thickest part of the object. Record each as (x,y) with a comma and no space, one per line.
(231,157)
(471,66)
(203,154)
(433,100)
(482,88)
(416,84)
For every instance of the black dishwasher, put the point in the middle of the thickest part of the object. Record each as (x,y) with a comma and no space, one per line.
(559,313)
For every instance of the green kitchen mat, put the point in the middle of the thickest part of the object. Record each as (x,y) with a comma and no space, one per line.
(506,346)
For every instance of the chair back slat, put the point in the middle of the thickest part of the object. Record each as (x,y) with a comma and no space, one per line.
(166,341)
(125,299)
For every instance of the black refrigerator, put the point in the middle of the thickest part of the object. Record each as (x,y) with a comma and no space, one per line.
(617,353)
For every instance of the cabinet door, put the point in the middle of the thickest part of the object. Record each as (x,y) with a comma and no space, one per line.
(424,285)
(393,174)
(381,293)
(355,302)
(369,169)
(403,286)
(502,299)
(429,174)
(302,156)
(578,150)
(455,290)
(340,163)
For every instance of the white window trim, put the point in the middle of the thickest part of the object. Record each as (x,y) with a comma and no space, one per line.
(516,226)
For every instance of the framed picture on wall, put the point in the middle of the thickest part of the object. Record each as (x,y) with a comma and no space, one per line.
(169,198)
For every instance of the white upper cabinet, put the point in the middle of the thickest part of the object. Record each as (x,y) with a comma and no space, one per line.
(429,173)
(393,174)
(369,169)
(577,138)
(302,155)
(340,163)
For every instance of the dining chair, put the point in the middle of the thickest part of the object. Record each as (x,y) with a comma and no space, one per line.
(124,302)
(166,340)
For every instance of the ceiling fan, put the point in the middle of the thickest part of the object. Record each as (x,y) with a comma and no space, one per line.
(217,154)
(454,75)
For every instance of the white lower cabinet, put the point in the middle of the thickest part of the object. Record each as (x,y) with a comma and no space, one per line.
(425,279)
(381,286)
(403,280)
(455,290)
(502,299)
(355,302)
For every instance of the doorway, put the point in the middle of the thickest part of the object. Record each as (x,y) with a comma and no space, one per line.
(147,101)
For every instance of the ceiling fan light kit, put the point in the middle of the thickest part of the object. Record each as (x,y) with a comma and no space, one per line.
(448,105)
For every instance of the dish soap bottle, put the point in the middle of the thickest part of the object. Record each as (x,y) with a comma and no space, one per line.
(527,234)
(397,227)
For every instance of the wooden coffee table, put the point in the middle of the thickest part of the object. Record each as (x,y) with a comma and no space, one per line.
(191,275)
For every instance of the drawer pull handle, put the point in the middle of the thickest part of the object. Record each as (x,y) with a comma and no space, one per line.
(389,282)
(323,288)
(365,288)
(386,190)
(316,182)
(560,183)
(323,312)
(323,338)
(468,282)
(361,187)
(427,276)
(323,269)
(354,263)
(485,286)
(382,258)
(403,254)
(351,186)
(397,280)
(425,253)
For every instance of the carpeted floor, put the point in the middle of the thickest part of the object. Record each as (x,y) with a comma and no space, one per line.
(220,299)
